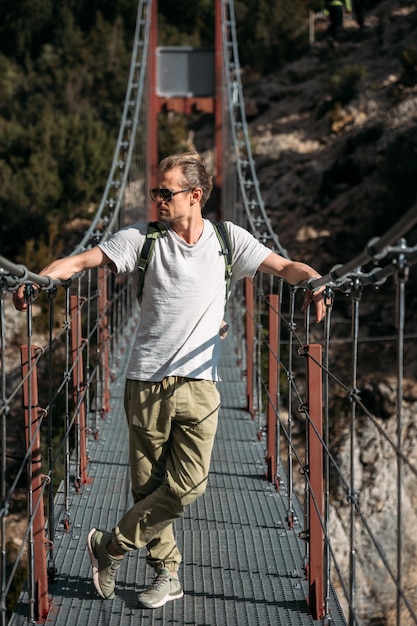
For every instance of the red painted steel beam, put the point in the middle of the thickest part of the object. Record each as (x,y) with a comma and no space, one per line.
(218,109)
(273,339)
(315,466)
(184,105)
(79,386)
(32,414)
(104,338)
(250,342)
(152,113)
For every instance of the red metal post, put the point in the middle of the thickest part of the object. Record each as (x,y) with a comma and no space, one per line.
(271,451)
(32,416)
(152,112)
(218,107)
(250,342)
(104,338)
(315,465)
(79,384)
(179,104)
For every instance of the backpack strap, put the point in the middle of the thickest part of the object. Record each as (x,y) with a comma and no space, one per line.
(227,251)
(158,229)
(154,232)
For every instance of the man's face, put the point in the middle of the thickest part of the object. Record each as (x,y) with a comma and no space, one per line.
(181,205)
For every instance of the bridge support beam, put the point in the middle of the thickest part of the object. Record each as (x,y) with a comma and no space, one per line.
(104,339)
(315,469)
(250,343)
(79,391)
(152,113)
(38,573)
(273,373)
(186,105)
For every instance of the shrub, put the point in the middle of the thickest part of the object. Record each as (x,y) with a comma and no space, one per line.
(344,84)
(408,60)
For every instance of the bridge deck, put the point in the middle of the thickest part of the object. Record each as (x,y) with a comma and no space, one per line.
(241,564)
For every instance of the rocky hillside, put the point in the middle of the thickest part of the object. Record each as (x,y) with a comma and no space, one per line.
(335,142)
(335,132)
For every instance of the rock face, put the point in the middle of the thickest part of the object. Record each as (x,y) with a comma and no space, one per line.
(335,147)
(334,137)
(379,502)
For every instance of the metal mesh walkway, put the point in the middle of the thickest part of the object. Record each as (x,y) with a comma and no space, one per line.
(241,565)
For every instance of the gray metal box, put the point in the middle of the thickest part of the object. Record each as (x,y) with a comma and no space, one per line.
(183,72)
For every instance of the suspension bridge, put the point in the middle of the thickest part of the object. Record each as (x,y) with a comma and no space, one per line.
(278,537)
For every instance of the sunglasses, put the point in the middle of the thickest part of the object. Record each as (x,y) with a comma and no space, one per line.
(165,194)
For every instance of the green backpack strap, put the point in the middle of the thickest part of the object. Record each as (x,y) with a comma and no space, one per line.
(158,229)
(227,251)
(154,232)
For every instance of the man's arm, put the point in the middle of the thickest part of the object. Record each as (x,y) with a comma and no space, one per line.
(66,268)
(295,272)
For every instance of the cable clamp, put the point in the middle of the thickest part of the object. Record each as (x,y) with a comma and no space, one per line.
(371,251)
(353,496)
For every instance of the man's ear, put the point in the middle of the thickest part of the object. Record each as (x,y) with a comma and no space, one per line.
(196,195)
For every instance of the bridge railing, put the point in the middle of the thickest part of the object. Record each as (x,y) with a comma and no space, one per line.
(330,404)
(49,409)
(65,371)
(340,403)
(309,389)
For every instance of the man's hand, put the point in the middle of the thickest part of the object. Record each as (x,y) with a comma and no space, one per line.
(19,299)
(318,298)
(63,269)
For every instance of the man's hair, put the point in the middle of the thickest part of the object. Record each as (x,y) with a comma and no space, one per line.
(193,170)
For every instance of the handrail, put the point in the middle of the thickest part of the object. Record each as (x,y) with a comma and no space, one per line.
(376,250)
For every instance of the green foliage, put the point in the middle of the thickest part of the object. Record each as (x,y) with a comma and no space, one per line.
(27,25)
(344,84)
(186,23)
(36,255)
(272,33)
(172,134)
(63,74)
(62,83)
(408,59)
(49,172)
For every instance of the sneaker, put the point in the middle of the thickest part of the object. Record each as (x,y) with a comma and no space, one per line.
(104,565)
(163,589)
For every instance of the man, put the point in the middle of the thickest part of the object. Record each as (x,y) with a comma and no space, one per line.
(335,11)
(171,399)
(359,11)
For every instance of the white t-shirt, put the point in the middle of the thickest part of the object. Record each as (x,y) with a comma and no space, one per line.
(183,298)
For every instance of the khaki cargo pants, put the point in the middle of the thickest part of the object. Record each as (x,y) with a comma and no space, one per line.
(172,426)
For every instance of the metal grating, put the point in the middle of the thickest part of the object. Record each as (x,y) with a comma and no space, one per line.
(241,564)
